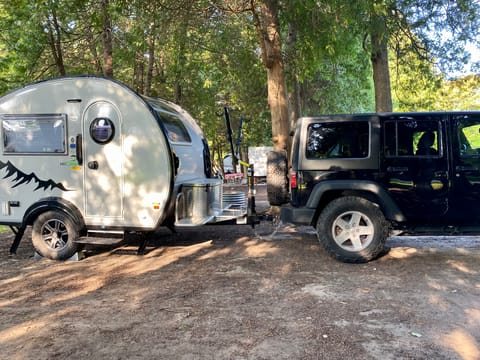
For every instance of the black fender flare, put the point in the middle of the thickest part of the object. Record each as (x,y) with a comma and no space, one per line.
(385,201)
(53,203)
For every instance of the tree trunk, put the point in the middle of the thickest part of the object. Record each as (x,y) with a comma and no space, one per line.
(294,100)
(138,78)
(93,49)
(181,60)
(277,101)
(151,58)
(55,40)
(381,74)
(268,30)
(107,40)
(180,63)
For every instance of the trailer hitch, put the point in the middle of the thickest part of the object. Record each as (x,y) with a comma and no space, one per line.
(252,217)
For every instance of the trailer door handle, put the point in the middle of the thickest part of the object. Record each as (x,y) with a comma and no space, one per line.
(93,165)
(79,150)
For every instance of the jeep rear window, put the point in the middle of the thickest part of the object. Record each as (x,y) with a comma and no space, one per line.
(342,140)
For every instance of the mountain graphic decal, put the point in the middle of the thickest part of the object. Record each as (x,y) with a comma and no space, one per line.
(19,177)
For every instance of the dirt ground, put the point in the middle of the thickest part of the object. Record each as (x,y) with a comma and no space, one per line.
(231,292)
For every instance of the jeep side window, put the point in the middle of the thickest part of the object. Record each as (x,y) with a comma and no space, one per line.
(412,137)
(468,133)
(337,140)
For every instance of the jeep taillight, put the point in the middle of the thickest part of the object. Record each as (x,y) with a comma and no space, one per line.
(293,180)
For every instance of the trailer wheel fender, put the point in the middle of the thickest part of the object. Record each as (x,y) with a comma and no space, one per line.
(58,204)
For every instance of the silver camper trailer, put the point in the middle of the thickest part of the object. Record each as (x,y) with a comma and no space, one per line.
(82,157)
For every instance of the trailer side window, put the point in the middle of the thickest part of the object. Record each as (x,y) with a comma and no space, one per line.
(102,130)
(34,134)
(175,128)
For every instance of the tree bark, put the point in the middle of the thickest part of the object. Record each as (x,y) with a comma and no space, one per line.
(180,62)
(151,62)
(93,49)
(55,40)
(381,73)
(107,40)
(268,29)
(294,102)
(138,78)
(294,98)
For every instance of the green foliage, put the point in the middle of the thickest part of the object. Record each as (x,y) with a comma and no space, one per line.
(204,51)
(419,87)
(341,86)
(472,135)
(328,57)
(443,28)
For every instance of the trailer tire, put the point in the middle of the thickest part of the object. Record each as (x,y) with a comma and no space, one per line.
(54,235)
(277,178)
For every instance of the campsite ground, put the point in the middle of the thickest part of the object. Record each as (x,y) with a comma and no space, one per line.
(231,292)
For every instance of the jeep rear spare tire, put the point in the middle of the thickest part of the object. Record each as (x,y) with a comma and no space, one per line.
(352,229)
(277,178)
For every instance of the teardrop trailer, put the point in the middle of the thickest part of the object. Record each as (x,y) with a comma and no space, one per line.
(88,160)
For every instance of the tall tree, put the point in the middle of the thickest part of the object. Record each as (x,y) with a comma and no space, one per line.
(54,32)
(151,41)
(267,23)
(419,86)
(435,30)
(107,39)
(324,59)
(379,56)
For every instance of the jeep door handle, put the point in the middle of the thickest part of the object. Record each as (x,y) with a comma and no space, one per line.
(440,174)
(93,165)
(397,168)
(465,168)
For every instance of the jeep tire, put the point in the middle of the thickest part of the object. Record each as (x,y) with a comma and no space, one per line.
(352,229)
(277,178)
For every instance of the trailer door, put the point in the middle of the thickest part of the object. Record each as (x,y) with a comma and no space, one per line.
(103,162)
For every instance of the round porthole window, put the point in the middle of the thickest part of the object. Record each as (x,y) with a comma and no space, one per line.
(102,130)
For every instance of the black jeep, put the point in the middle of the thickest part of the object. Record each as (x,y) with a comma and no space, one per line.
(357,178)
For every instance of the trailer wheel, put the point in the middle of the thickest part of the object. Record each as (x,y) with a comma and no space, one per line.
(277,178)
(54,234)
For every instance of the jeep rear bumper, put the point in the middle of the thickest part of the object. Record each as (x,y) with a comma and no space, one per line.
(297,216)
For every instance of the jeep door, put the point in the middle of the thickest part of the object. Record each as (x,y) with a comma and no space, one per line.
(415,164)
(465,193)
